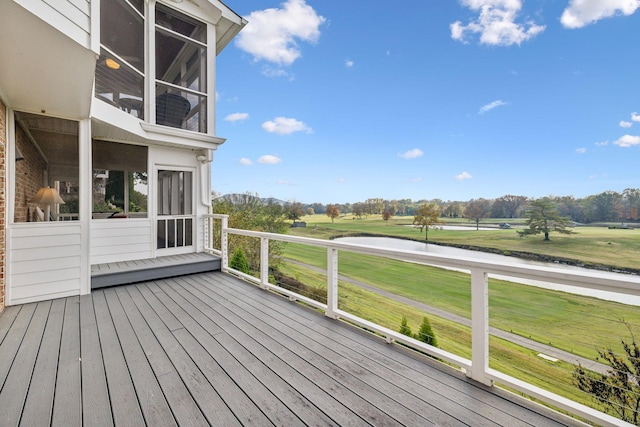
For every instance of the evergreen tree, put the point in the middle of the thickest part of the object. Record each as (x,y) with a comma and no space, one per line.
(543,217)
(405,329)
(239,262)
(425,334)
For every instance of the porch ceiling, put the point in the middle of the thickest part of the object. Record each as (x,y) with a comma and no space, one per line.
(41,69)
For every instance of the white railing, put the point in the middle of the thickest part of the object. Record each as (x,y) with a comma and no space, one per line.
(477,367)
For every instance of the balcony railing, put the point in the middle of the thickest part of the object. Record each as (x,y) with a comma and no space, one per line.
(218,237)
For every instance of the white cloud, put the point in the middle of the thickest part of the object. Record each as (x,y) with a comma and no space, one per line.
(237,117)
(348,63)
(635,117)
(624,124)
(580,13)
(341,180)
(285,126)
(269,71)
(412,154)
(417,179)
(268,159)
(273,34)
(581,150)
(491,106)
(496,23)
(602,143)
(628,141)
(246,162)
(463,176)
(283,182)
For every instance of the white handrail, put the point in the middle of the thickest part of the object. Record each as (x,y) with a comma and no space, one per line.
(478,367)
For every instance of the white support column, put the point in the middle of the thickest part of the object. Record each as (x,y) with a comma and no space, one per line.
(332,283)
(479,327)
(264,262)
(86,202)
(224,243)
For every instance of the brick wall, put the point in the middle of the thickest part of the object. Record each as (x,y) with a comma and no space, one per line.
(3,180)
(29,175)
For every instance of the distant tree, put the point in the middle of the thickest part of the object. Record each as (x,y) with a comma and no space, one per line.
(605,206)
(358,209)
(453,210)
(239,262)
(543,217)
(405,329)
(426,216)
(508,206)
(477,210)
(425,333)
(631,204)
(618,390)
(386,215)
(332,212)
(310,211)
(293,211)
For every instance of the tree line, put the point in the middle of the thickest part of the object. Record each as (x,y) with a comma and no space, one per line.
(608,206)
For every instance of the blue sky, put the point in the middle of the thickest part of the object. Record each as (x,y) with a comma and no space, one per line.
(339,101)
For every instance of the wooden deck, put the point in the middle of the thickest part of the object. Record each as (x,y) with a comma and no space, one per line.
(119,273)
(210,349)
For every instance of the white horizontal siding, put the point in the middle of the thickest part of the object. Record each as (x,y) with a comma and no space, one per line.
(116,240)
(46,261)
(71,17)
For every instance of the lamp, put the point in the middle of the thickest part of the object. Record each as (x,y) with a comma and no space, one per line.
(47,196)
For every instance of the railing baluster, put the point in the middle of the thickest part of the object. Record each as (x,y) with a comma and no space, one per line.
(264,261)
(224,243)
(480,327)
(332,283)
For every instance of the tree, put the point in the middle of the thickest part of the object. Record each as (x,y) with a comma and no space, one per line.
(249,212)
(239,262)
(426,216)
(405,329)
(358,209)
(543,217)
(425,334)
(332,212)
(386,215)
(293,211)
(618,390)
(310,211)
(476,210)
(508,206)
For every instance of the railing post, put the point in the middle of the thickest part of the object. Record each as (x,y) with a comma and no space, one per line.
(332,283)
(224,242)
(479,327)
(264,262)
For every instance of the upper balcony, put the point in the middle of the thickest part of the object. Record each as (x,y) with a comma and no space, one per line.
(157,65)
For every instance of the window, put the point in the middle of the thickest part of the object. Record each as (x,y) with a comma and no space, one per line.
(181,68)
(47,169)
(120,182)
(120,75)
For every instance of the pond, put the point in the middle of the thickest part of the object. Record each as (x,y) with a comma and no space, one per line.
(411,245)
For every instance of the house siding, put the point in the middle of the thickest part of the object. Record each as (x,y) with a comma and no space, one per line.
(71,17)
(3,181)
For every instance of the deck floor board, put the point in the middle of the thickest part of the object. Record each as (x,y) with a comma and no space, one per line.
(210,349)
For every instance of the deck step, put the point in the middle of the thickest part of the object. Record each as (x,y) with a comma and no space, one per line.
(122,273)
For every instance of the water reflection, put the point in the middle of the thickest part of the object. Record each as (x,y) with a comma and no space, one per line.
(410,245)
